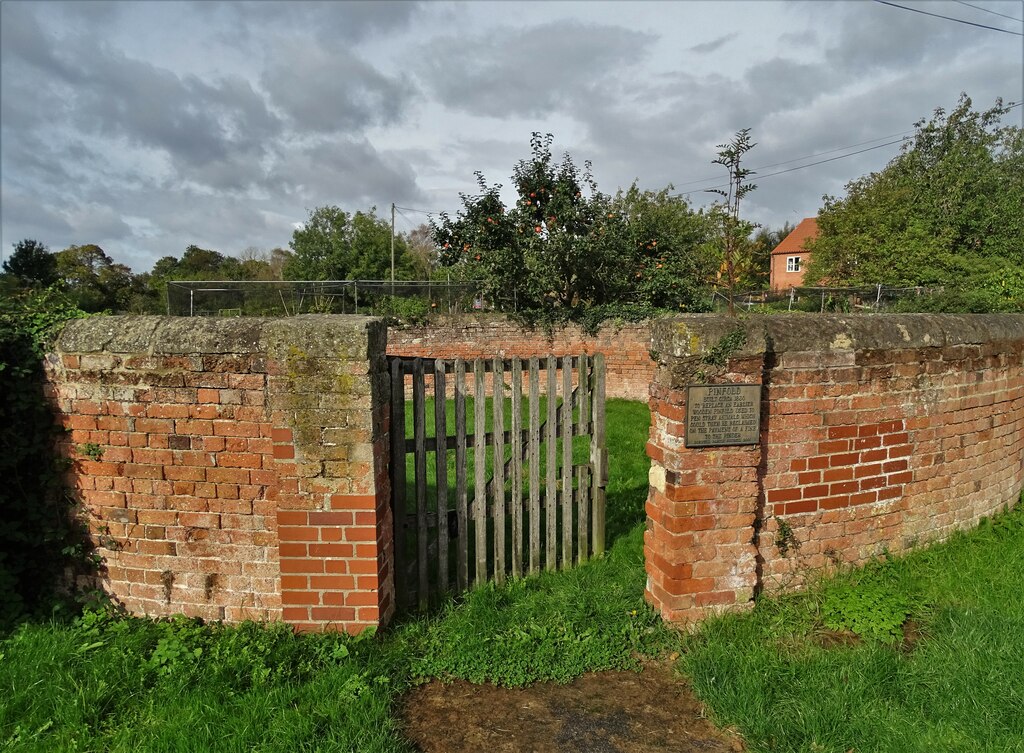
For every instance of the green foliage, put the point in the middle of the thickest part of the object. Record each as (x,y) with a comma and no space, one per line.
(334,245)
(31,264)
(732,233)
(566,247)
(870,604)
(35,510)
(946,211)
(404,310)
(953,682)
(785,539)
(720,352)
(91,450)
(111,683)
(93,281)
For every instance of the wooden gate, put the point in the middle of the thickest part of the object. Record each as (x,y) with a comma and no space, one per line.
(466,488)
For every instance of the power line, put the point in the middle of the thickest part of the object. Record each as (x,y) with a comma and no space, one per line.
(800,167)
(407,218)
(419,211)
(806,156)
(950,18)
(986,10)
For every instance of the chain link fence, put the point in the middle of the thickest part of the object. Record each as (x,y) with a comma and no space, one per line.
(291,297)
(822,299)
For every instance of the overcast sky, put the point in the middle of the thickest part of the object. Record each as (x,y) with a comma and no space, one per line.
(146,127)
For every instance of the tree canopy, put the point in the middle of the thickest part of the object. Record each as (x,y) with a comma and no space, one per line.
(93,281)
(335,245)
(564,245)
(946,211)
(31,264)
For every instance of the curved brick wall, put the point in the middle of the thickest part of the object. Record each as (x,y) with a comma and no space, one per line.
(877,433)
(242,464)
(628,364)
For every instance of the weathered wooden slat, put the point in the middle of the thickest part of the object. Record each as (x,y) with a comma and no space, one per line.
(498,477)
(574,497)
(398,478)
(582,430)
(567,433)
(551,492)
(517,469)
(480,472)
(534,464)
(441,475)
(461,501)
(430,443)
(428,363)
(598,459)
(419,428)
(582,511)
(583,396)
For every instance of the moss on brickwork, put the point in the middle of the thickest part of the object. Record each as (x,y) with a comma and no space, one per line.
(697,335)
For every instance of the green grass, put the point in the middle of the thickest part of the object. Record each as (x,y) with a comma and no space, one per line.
(121,684)
(626,431)
(102,683)
(956,686)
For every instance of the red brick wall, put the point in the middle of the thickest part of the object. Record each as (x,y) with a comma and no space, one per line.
(878,433)
(241,470)
(628,364)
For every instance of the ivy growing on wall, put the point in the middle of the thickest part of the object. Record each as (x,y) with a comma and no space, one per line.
(37,536)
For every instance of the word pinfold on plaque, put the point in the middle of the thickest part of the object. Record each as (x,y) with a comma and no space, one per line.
(723,414)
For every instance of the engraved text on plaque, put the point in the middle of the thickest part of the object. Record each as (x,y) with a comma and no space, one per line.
(723,414)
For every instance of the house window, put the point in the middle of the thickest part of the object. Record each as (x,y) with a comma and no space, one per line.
(792,263)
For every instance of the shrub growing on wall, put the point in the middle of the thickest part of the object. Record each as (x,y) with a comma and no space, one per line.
(36,536)
(565,248)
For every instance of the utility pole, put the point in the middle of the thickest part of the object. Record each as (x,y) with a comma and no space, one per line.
(392,253)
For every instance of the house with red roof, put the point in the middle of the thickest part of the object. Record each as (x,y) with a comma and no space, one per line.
(790,258)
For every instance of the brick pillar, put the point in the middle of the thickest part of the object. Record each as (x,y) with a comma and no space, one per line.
(703,502)
(329,402)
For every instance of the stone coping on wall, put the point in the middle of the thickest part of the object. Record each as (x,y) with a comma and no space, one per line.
(336,335)
(696,334)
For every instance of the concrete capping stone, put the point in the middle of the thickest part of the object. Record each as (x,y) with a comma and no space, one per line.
(691,335)
(346,337)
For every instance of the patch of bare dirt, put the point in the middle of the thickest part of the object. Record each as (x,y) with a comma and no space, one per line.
(604,712)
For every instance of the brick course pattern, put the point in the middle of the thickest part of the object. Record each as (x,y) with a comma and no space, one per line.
(232,469)
(626,347)
(878,433)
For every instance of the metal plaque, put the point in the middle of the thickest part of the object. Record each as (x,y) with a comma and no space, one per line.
(723,414)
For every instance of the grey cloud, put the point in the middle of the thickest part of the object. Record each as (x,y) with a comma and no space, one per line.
(874,36)
(345,171)
(26,216)
(73,81)
(24,40)
(714,44)
(529,71)
(96,223)
(331,89)
(781,84)
(325,21)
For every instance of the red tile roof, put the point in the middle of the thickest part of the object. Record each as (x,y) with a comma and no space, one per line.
(794,242)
